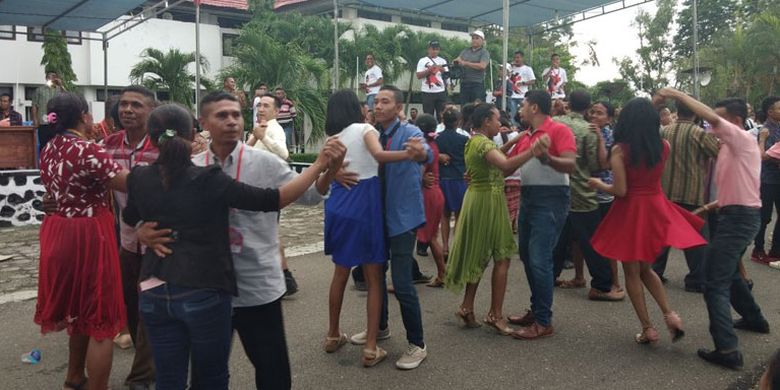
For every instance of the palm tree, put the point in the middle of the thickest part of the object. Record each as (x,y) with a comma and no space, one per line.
(169,71)
(259,57)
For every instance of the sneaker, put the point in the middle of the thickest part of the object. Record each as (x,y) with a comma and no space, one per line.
(412,358)
(422,278)
(732,360)
(292,285)
(361,286)
(759,256)
(360,338)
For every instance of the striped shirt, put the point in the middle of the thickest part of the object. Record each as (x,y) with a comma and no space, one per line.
(286,112)
(691,149)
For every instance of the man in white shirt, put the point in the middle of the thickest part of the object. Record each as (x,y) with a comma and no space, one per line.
(268,134)
(555,78)
(522,78)
(372,81)
(434,88)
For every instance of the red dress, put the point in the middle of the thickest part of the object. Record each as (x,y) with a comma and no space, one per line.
(433,200)
(79,280)
(643,222)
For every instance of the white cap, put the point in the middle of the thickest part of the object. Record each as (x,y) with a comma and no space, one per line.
(478,33)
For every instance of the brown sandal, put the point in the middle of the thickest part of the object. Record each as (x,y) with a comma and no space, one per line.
(467,316)
(493,323)
(372,358)
(333,344)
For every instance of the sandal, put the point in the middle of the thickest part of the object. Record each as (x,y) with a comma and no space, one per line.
(574,283)
(436,282)
(333,344)
(674,324)
(648,336)
(75,386)
(493,322)
(467,316)
(372,358)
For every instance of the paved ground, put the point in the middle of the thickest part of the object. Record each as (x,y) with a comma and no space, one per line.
(593,347)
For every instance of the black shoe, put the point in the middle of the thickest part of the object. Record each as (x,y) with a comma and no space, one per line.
(749,283)
(732,360)
(292,285)
(761,327)
(664,280)
(422,278)
(361,286)
(694,288)
(422,249)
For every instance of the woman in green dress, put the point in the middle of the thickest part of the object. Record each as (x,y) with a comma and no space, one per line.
(484,231)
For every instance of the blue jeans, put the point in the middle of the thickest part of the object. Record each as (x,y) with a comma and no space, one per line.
(186,324)
(370,101)
(289,135)
(514,104)
(543,213)
(723,286)
(401,265)
(469,92)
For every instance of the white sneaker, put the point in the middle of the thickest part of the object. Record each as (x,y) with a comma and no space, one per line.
(360,338)
(775,264)
(412,357)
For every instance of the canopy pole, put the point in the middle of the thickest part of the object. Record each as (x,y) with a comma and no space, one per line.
(336,45)
(197,58)
(105,69)
(696,90)
(506,55)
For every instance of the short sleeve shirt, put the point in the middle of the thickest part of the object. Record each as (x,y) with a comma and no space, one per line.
(469,55)
(433,82)
(521,74)
(484,176)
(373,75)
(555,79)
(76,173)
(533,172)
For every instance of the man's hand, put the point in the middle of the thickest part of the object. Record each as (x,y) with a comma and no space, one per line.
(337,152)
(49,204)
(154,238)
(428,180)
(346,178)
(467,178)
(5,122)
(541,145)
(415,149)
(595,183)
(259,130)
(444,159)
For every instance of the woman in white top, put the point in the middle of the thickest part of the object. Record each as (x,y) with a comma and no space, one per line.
(354,222)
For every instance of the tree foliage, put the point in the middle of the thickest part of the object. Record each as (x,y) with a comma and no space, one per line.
(714,16)
(56,58)
(169,71)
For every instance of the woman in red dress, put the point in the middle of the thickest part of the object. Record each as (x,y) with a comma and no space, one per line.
(79,283)
(642,221)
(433,200)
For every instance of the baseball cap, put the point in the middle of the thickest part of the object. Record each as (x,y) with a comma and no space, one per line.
(478,33)
(434,44)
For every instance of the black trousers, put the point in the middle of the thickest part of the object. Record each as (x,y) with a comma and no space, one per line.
(693,256)
(433,103)
(770,198)
(261,330)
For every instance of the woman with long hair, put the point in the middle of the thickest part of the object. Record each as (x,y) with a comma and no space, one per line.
(79,282)
(354,220)
(484,231)
(185,297)
(642,221)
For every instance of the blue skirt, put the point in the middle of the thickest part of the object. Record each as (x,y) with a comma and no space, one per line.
(354,224)
(454,190)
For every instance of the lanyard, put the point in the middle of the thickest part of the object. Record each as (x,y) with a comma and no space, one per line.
(240,157)
(390,136)
(130,158)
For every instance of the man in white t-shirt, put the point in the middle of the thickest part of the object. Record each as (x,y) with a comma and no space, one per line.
(555,78)
(372,81)
(522,78)
(434,88)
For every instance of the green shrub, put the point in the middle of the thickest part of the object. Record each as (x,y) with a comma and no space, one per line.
(303,157)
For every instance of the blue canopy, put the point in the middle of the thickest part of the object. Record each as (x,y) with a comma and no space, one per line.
(71,15)
(523,13)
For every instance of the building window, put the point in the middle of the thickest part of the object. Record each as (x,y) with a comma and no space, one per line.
(455,27)
(228,44)
(101,93)
(230,23)
(8,32)
(35,34)
(374,15)
(29,92)
(415,21)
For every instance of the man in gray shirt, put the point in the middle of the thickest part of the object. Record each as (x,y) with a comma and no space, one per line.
(475,61)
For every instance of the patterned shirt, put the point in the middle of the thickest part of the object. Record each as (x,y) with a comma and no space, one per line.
(691,149)
(15,117)
(606,175)
(76,172)
(286,112)
(41,98)
(144,153)
(583,198)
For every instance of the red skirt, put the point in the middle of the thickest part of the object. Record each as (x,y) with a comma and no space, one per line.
(638,228)
(512,192)
(79,278)
(433,201)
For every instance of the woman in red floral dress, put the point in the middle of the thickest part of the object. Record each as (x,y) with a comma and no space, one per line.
(79,283)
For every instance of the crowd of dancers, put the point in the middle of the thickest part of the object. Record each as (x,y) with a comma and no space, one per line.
(201,229)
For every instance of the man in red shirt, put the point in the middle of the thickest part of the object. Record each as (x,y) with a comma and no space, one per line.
(545,206)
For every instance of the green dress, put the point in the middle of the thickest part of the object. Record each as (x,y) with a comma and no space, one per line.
(483,230)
